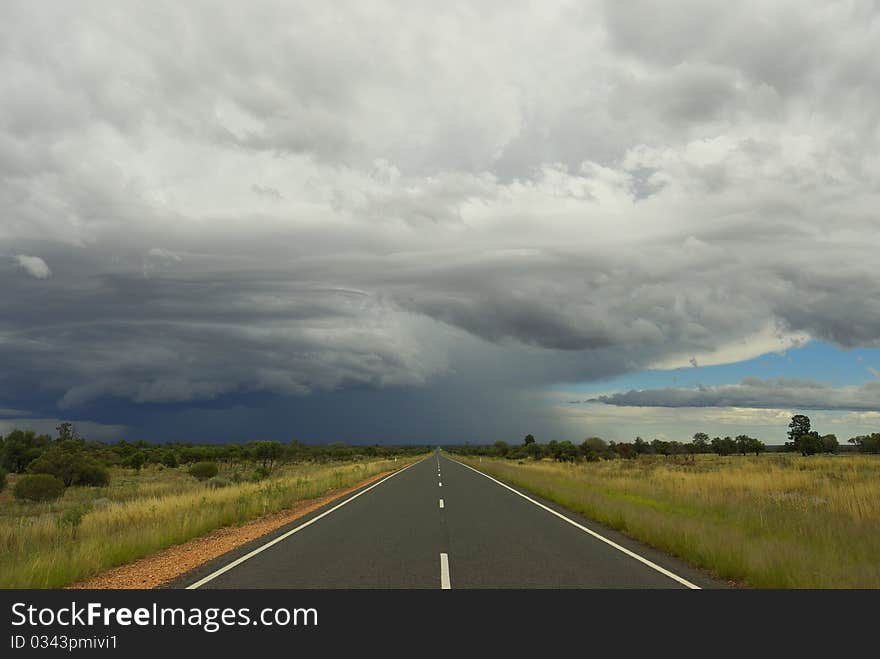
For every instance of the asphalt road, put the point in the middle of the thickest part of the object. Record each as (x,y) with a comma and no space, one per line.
(398,534)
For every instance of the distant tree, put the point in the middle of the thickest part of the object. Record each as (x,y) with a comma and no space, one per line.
(20,448)
(866,443)
(169,458)
(640,446)
(535,451)
(810,443)
(594,445)
(66,460)
(660,447)
(726,446)
(529,439)
(830,443)
(701,442)
(66,432)
(135,461)
(268,453)
(501,448)
(566,452)
(798,429)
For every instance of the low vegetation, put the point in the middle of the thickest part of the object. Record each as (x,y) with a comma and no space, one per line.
(770,521)
(75,507)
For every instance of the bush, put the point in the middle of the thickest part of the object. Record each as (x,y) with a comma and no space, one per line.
(38,487)
(2,479)
(94,475)
(216,483)
(259,474)
(72,518)
(204,470)
(169,459)
(135,461)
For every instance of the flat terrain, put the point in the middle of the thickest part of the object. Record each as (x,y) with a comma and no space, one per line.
(397,534)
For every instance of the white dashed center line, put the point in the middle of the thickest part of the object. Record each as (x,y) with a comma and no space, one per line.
(445,583)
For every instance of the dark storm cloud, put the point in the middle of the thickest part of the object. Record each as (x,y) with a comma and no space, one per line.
(290,199)
(782,393)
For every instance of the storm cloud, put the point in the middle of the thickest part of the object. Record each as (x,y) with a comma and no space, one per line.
(294,199)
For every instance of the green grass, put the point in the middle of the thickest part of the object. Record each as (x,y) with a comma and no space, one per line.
(141,514)
(772,521)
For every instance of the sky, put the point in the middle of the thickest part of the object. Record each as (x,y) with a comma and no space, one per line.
(439,222)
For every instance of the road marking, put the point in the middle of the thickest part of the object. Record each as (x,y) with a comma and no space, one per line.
(441,503)
(445,583)
(261,548)
(440,484)
(583,528)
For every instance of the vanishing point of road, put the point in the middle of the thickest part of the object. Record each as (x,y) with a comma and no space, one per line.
(441,524)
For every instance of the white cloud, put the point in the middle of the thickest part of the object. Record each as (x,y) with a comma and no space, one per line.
(35,266)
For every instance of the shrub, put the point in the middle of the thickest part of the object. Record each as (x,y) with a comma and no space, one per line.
(259,474)
(169,459)
(204,470)
(237,477)
(2,479)
(72,518)
(63,460)
(135,461)
(217,482)
(38,487)
(94,475)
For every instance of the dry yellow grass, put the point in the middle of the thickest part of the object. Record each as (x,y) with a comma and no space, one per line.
(772,521)
(139,517)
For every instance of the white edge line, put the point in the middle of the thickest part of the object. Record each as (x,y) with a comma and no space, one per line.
(445,583)
(251,554)
(441,503)
(583,528)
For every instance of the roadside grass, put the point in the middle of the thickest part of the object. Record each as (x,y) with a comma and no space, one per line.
(140,514)
(770,521)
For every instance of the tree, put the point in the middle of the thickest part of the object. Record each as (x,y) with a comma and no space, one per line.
(67,460)
(701,442)
(726,446)
(169,459)
(530,439)
(20,448)
(798,428)
(535,451)
(594,445)
(566,452)
(135,461)
(66,432)
(501,448)
(640,446)
(268,453)
(830,443)
(810,443)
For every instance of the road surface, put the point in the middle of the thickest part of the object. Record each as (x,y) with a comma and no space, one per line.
(441,524)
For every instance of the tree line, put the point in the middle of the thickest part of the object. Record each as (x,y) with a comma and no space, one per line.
(71,459)
(801,438)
